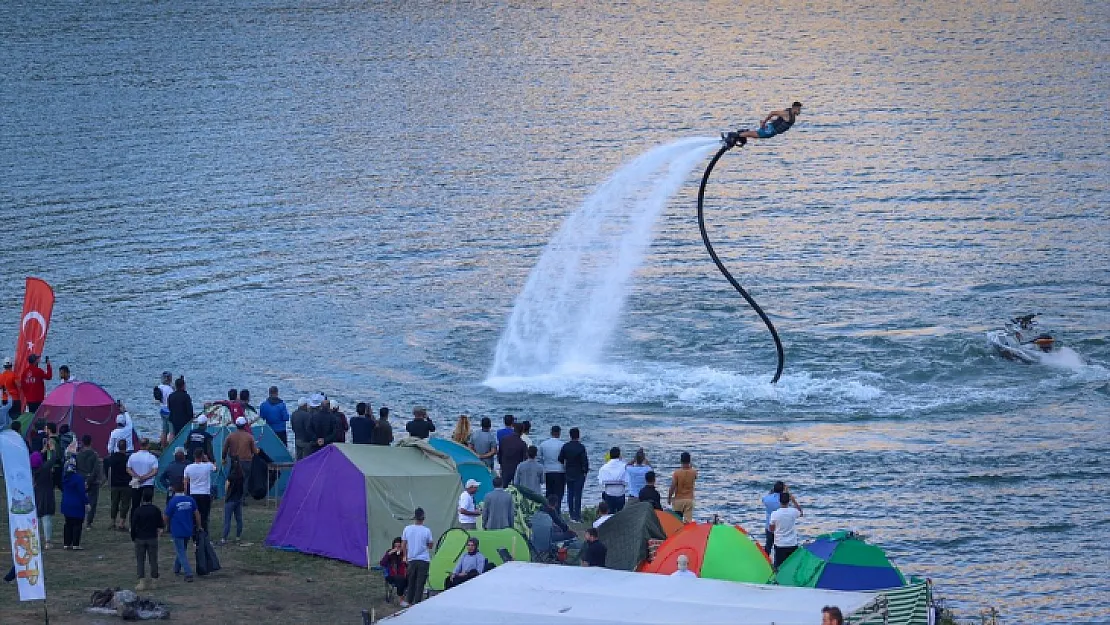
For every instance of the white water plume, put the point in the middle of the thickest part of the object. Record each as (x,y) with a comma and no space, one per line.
(573,298)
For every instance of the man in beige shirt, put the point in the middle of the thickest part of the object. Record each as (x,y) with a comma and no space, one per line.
(240,443)
(681,495)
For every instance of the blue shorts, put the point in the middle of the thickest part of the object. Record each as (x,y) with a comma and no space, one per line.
(766,132)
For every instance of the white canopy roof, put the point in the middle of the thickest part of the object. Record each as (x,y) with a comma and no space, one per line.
(535,594)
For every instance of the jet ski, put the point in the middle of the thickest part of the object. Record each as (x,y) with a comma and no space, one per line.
(1022,340)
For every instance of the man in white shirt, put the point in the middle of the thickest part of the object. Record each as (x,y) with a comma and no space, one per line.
(416,550)
(614,480)
(164,405)
(468,510)
(124,431)
(783,524)
(198,484)
(142,466)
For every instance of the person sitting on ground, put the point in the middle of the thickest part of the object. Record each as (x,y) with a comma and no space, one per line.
(484,443)
(594,553)
(530,473)
(240,443)
(468,510)
(174,471)
(461,434)
(831,615)
(602,514)
(362,426)
(637,471)
(383,429)
(199,438)
(683,568)
(395,569)
(470,565)
(648,493)
(497,508)
(420,426)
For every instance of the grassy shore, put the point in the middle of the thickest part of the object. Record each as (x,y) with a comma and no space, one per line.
(256,583)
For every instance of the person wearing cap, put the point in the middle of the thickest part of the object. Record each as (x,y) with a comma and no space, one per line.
(416,549)
(299,421)
(468,510)
(199,438)
(420,426)
(164,390)
(32,382)
(321,428)
(275,414)
(340,419)
(470,565)
(174,471)
(9,386)
(180,405)
(240,443)
(125,430)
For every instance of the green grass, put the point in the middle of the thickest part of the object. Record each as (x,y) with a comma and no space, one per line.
(256,583)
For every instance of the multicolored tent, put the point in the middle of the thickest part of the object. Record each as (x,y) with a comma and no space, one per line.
(840,561)
(276,453)
(468,463)
(349,501)
(86,407)
(670,523)
(715,552)
(628,535)
(453,543)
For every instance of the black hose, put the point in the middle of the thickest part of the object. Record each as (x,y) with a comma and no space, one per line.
(709,247)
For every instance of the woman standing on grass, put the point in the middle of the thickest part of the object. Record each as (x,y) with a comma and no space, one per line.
(234,490)
(42,472)
(75,503)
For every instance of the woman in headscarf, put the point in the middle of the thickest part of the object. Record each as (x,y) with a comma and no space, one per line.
(461,435)
(75,503)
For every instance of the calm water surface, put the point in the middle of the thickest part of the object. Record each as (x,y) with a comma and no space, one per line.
(348,197)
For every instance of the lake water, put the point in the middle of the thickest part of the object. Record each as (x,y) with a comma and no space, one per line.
(349,197)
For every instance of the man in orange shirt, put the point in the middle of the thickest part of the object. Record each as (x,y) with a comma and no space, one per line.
(681,495)
(9,385)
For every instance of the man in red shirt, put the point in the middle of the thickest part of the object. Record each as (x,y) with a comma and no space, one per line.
(33,382)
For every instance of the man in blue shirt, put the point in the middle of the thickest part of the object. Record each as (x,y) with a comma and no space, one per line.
(507,430)
(275,414)
(182,517)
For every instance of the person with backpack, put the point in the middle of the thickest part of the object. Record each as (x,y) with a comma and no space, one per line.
(234,492)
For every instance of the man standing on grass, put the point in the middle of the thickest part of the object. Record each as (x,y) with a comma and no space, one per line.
(89,466)
(577,465)
(362,426)
(383,429)
(784,526)
(174,472)
(420,426)
(182,517)
(613,477)
(484,443)
(554,475)
(416,545)
(511,451)
(468,510)
(497,508)
(142,466)
(530,473)
(165,390)
(145,525)
(199,438)
(299,422)
(275,414)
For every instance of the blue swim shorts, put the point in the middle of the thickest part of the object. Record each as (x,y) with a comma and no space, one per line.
(766,132)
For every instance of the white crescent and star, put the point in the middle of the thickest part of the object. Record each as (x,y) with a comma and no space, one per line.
(37,316)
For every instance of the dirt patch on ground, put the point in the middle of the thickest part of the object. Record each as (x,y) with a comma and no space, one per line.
(256,583)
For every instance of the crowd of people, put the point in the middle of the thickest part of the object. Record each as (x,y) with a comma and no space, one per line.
(556,469)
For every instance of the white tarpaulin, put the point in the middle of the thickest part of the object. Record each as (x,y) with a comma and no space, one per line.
(22,520)
(536,594)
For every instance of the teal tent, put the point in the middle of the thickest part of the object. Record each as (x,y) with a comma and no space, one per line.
(469,465)
(264,437)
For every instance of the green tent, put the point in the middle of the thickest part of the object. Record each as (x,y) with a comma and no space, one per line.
(453,543)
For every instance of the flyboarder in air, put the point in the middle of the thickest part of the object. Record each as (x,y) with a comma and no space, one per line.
(776,123)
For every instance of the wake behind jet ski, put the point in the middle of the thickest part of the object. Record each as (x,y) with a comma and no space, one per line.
(1021,340)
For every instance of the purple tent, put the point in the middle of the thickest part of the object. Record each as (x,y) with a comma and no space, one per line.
(348,502)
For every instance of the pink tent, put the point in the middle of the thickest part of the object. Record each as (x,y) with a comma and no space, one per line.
(86,407)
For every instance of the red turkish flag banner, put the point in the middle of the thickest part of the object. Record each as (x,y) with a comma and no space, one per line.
(38,304)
